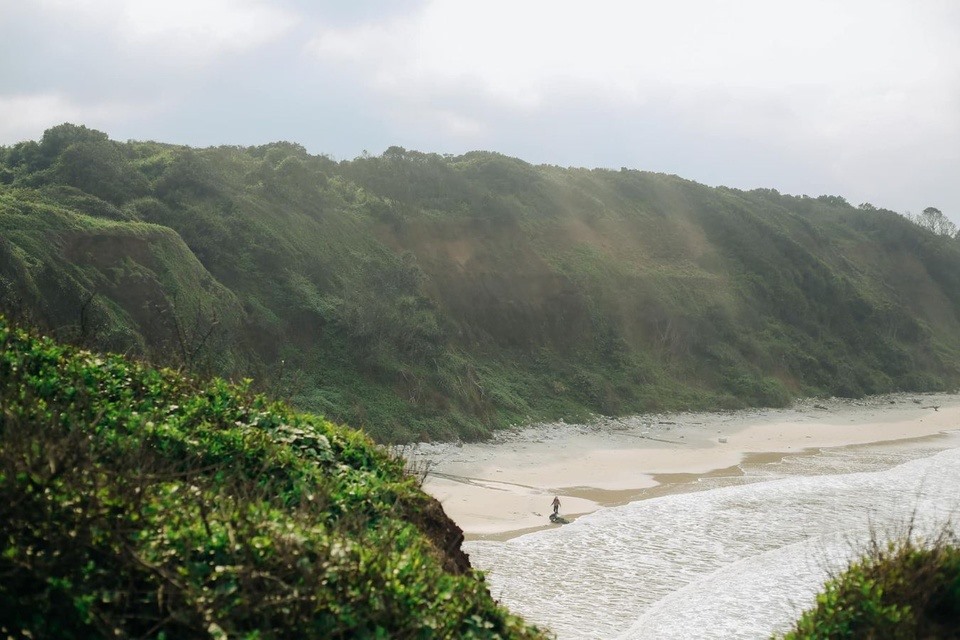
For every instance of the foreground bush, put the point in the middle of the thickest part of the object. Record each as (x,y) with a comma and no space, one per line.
(904,590)
(137,503)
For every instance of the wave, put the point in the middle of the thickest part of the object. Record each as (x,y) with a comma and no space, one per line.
(728,562)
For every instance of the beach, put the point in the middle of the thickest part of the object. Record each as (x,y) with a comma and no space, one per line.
(503,488)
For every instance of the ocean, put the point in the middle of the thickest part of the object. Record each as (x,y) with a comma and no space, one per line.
(731,557)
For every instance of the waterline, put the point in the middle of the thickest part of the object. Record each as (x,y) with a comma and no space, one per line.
(739,559)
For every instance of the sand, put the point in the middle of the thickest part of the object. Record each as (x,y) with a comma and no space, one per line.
(504,487)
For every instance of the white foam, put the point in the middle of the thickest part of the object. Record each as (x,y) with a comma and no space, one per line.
(731,562)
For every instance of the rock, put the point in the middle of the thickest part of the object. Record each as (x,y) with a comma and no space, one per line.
(722,440)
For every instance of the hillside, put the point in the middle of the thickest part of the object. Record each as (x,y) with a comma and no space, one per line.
(135,502)
(427,296)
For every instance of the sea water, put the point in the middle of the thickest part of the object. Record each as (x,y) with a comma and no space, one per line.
(735,557)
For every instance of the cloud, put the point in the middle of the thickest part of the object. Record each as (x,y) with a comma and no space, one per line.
(817,68)
(859,97)
(27,116)
(196,29)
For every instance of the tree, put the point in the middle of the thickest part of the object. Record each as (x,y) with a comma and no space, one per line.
(934,220)
(99,168)
(837,201)
(58,138)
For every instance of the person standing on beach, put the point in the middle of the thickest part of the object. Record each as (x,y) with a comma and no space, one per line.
(556,505)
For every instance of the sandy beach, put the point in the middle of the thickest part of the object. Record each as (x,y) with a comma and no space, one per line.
(503,488)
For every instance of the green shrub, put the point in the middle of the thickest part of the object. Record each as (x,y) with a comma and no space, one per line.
(902,590)
(138,503)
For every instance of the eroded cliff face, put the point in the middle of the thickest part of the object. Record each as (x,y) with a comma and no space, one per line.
(444,533)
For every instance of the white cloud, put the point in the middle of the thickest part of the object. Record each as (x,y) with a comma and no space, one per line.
(198,29)
(27,116)
(812,72)
(860,97)
(459,125)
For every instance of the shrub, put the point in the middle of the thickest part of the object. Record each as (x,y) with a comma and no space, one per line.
(137,503)
(901,590)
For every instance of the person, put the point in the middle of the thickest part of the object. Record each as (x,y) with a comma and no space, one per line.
(556,505)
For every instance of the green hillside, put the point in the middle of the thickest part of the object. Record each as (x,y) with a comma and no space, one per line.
(425,296)
(137,503)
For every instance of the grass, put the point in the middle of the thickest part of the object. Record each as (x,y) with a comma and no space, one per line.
(135,502)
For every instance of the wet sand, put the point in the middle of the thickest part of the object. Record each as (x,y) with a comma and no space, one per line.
(503,488)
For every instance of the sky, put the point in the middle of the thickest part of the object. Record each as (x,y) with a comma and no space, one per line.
(857,98)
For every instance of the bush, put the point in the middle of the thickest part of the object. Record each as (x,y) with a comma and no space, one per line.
(901,590)
(137,503)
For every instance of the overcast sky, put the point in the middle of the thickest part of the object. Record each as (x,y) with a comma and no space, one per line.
(859,98)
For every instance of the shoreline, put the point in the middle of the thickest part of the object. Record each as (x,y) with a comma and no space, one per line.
(501,489)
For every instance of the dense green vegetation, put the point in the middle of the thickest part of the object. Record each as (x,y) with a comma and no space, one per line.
(425,296)
(901,591)
(135,502)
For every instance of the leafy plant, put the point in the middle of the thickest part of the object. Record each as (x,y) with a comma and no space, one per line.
(135,502)
(905,589)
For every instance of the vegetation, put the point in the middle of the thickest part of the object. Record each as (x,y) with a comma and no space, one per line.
(933,219)
(135,502)
(418,296)
(421,296)
(903,590)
